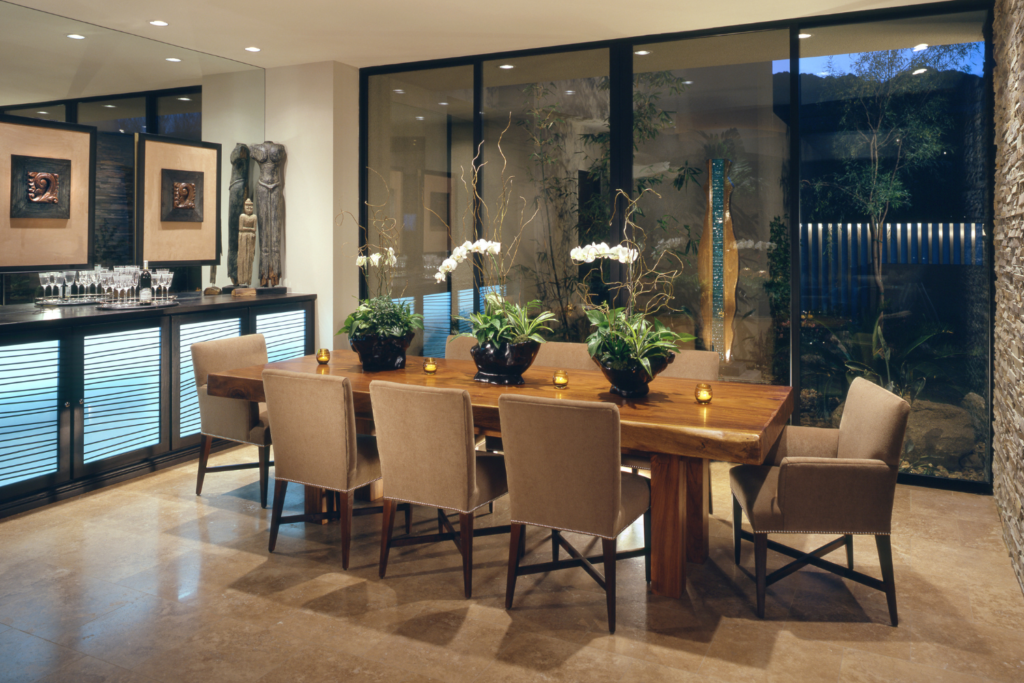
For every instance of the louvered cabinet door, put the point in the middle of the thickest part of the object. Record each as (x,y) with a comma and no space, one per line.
(121,415)
(288,330)
(35,439)
(187,330)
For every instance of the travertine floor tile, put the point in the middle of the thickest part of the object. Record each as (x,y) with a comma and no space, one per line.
(144,581)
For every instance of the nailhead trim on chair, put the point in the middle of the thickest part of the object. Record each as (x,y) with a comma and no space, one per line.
(327,488)
(845,533)
(250,443)
(431,505)
(573,531)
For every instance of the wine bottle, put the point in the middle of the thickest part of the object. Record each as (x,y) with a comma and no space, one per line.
(145,285)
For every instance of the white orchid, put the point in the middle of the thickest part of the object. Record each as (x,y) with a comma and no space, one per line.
(462,252)
(591,252)
(360,261)
(375,259)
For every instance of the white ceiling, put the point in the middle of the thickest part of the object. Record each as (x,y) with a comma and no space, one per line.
(373,32)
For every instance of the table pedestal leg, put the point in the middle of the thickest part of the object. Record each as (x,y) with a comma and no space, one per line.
(698,488)
(668,525)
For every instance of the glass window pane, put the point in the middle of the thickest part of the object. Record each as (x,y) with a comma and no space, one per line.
(895,282)
(420,139)
(52,112)
(722,98)
(551,114)
(126,115)
(180,116)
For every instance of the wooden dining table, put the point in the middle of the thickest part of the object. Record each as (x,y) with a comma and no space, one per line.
(668,427)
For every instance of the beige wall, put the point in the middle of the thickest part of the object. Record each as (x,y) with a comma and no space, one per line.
(233,112)
(1008,391)
(312,110)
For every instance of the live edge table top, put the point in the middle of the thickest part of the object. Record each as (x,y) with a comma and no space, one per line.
(741,423)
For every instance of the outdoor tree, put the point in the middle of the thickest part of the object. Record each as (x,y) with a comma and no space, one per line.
(893,121)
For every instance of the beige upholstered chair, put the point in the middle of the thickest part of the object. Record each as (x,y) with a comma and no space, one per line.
(818,481)
(230,418)
(317,445)
(563,474)
(428,457)
(457,348)
(565,356)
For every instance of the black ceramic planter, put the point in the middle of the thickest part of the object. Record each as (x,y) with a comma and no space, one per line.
(633,383)
(378,354)
(503,364)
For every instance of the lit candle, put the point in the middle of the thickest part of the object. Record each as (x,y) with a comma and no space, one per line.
(561,379)
(703,393)
(323,356)
(429,366)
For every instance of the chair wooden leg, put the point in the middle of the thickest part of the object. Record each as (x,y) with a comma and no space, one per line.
(711,501)
(204,457)
(386,530)
(760,567)
(490,508)
(849,550)
(264,474)
(280,488)
(555,533)
(440,521)
(737,527)
(345,517)
(609,579)
(885,559)
(466,544)
(647,544)
(408,518)
(522,543)
(514,555)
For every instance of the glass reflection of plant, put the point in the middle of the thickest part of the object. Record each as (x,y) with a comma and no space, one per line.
(626,337)
(380,315)
(502,321)
(892,122)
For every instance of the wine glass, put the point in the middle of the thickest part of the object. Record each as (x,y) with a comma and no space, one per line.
(166,278)
(58,280)
(69,280)
(44,281)
(82,279)
(136,272)
(106,278)
(52,277)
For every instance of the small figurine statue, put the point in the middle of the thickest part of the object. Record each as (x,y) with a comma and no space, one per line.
(247,226)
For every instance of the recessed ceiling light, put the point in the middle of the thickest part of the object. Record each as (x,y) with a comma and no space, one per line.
(44,113)
(158,23)
(120,130)
(921,47)
(185,99)
(443,104)
(75,36)
(687,82)
(109,106)
(642,53)
(506,66)
(252,49)
(173,59)
(803,36)
(570,92)
(420,118)
(399,91)
(918,72)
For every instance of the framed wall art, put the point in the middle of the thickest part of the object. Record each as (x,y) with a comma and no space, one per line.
(177,215)
(47,195)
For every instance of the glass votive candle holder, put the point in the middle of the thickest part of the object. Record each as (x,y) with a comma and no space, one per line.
(560,379)
(702,393)
(429,366)
(323,356)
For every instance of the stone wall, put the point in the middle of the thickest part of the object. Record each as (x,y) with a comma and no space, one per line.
(1008,394)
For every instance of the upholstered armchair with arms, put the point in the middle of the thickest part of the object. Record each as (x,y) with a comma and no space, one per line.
(819,481)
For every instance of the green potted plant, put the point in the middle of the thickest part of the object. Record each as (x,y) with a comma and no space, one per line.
(629,347)
(381,329)
(508,335)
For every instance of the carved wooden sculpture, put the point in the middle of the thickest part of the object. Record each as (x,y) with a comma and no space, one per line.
(238,192)
(247,226)
(270,208)
(42,187)
(718,263)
